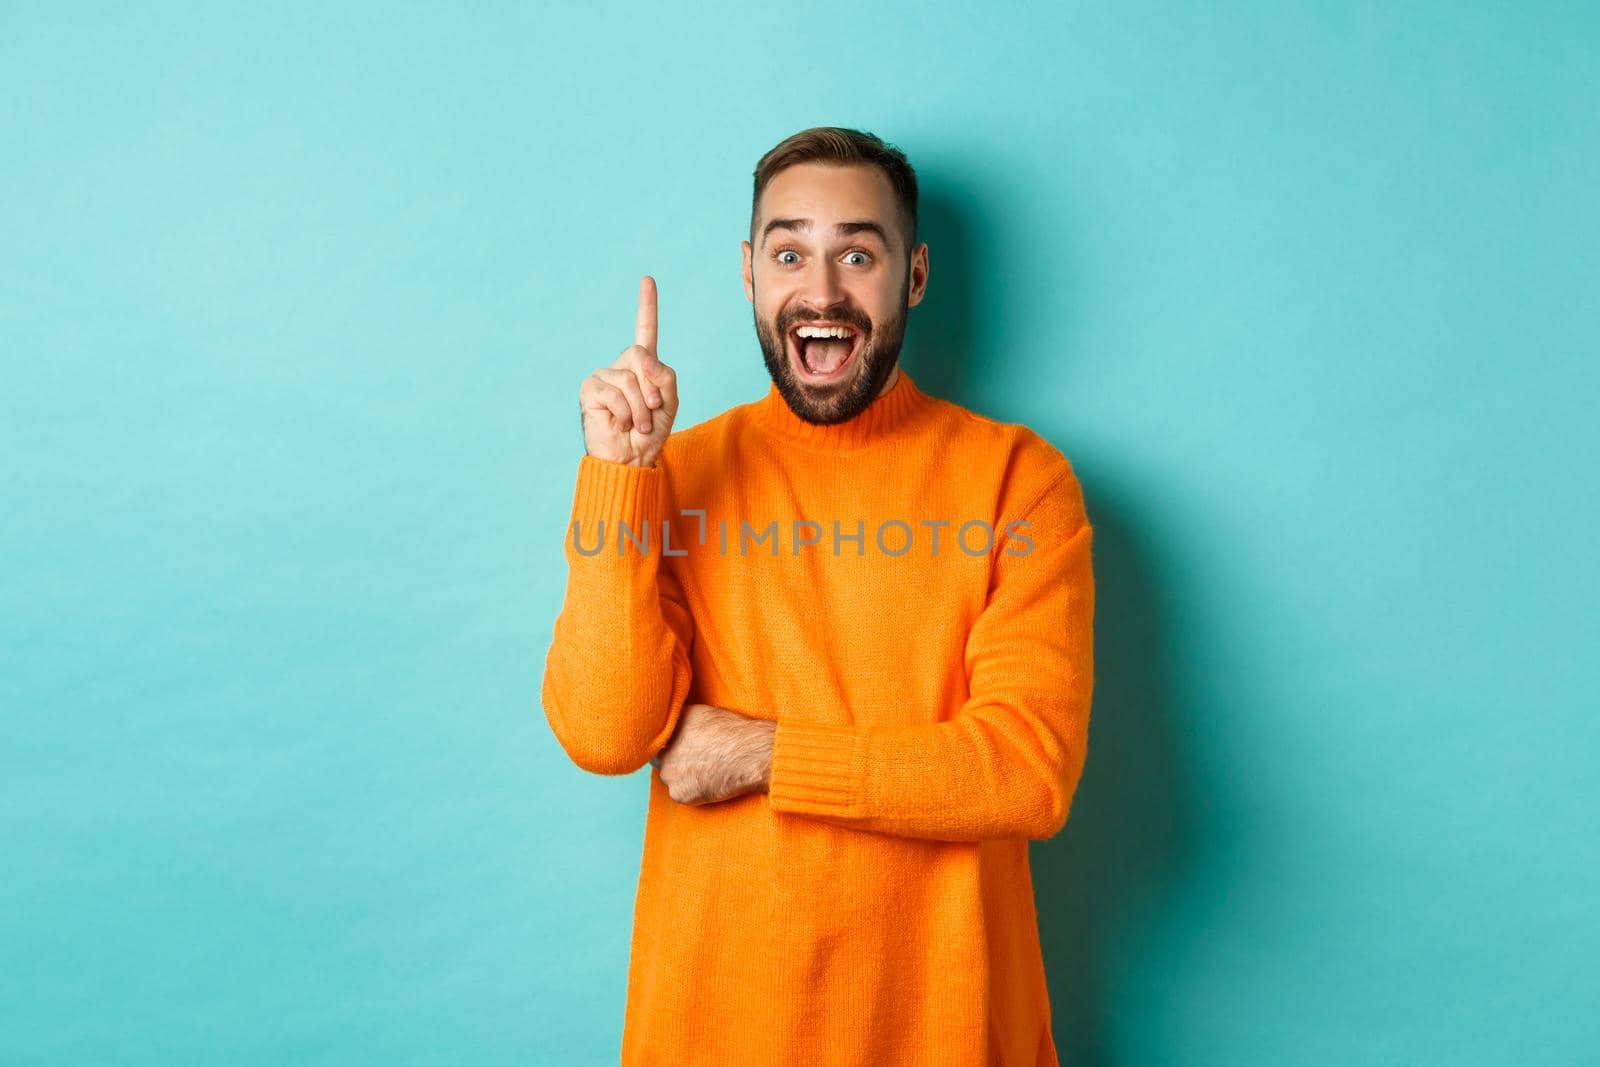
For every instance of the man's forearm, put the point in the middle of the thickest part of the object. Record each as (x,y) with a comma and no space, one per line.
(617,671)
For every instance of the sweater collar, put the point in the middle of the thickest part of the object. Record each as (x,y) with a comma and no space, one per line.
(882,418)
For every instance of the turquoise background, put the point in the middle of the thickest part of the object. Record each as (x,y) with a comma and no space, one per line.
(294,305)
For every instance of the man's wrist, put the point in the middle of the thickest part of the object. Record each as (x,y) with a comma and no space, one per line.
(761,733)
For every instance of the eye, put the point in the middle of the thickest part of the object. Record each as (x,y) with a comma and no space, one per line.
(859,253)
(784,252)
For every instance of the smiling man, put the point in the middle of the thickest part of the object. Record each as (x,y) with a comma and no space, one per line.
(850,626)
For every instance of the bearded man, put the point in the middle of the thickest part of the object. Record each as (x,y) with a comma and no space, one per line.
(850,627)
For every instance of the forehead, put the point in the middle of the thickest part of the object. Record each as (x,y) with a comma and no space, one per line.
(825,192)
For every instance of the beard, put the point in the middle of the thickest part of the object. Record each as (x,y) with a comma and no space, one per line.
(843,400)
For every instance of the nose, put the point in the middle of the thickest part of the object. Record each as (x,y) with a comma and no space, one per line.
(822,285)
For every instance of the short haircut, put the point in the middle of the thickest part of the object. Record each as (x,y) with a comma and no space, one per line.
(840,146)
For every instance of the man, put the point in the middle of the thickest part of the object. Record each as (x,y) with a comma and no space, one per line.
(850,625)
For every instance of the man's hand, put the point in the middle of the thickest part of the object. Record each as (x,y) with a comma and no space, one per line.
(629,406)
(715,754)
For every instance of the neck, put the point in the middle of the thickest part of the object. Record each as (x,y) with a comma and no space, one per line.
(889,382)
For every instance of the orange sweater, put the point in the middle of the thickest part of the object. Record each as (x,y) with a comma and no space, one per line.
(932,705)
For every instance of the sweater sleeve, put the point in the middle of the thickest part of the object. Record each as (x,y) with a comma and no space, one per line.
(617,672)
(1007,764)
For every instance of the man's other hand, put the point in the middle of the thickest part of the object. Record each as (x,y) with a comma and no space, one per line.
(715,754)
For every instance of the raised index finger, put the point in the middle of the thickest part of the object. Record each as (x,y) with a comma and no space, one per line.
(644,332)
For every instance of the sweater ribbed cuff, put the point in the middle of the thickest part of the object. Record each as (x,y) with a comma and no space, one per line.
(816,768)
(613,493)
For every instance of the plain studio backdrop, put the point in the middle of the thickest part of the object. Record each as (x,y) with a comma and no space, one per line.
(294,306)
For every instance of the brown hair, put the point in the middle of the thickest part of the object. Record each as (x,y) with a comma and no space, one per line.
(838,145)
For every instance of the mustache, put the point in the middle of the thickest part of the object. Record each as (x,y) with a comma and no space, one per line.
(860,322)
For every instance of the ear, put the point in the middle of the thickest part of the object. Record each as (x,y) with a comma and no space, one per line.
(749,279)
(919,275)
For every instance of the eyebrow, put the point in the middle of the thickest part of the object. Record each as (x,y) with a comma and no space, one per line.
(844,229)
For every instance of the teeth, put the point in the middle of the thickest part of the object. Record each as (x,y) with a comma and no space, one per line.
(825,331)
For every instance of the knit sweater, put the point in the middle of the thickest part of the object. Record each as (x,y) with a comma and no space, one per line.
(930,684)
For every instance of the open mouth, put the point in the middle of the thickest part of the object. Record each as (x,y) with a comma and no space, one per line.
(823,353)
